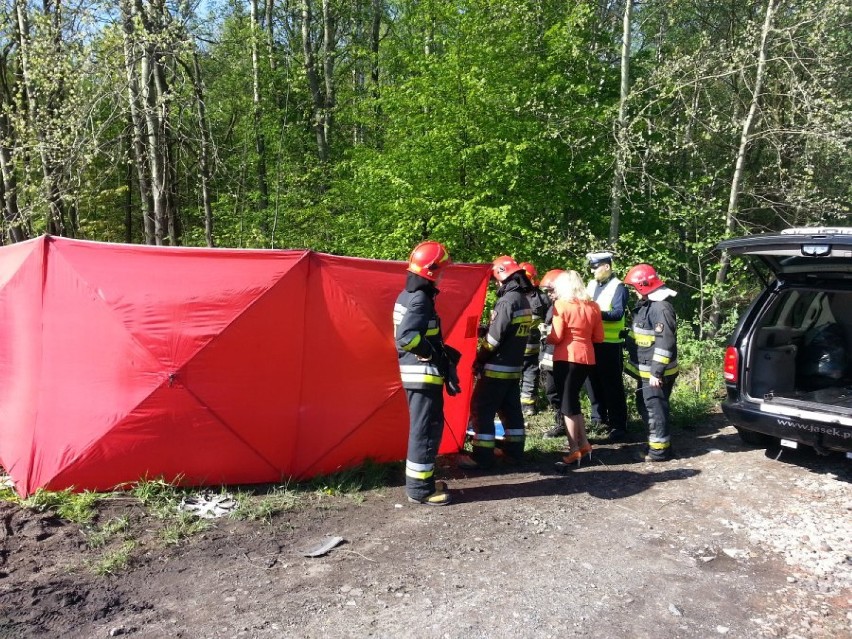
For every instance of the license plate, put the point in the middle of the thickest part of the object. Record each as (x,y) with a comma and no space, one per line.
(849,455)
(789,443)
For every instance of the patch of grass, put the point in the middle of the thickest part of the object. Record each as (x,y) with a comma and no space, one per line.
(181,526)
(163,500)
(98,537)
(7,493)
(352,482)
(159,496)
(75,507)
(252,507)
(114,561)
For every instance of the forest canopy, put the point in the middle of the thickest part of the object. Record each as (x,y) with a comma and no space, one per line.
(538,128)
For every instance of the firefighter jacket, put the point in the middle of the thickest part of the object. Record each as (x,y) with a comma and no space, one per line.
(613,298)
(502,354)
(652,341)
(417,332)
(539,303)
(545,360)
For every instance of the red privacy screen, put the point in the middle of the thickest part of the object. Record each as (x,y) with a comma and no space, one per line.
(207,366)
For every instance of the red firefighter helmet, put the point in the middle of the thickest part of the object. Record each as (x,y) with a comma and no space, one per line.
(644,278)
(550,277)
(428,259)
(529,269)
(503,267)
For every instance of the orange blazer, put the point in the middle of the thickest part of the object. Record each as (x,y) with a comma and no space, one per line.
(576,327)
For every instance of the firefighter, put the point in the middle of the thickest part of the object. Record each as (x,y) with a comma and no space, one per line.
(539,303)
(551,392)
(652,350)
(426,364)
(605,385)
(498,366)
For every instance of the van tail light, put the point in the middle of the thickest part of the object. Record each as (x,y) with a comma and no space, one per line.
(731,370)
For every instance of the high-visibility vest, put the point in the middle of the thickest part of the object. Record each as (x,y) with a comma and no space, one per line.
(612,329)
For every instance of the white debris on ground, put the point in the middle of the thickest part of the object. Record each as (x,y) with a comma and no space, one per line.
(812,532)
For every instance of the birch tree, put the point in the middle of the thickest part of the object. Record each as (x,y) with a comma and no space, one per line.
(746,136)
(621,126)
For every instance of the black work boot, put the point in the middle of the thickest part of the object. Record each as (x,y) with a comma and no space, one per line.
(557,431)
(617,435)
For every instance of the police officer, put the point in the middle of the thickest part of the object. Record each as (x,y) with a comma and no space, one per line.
(539,303)
(652,350)
(424,369)
(605,385)
(498,365)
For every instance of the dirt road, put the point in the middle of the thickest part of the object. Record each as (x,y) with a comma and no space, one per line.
(724,541)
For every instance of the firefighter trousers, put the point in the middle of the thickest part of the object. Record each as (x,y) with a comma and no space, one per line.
(493,397)
(605,386)
(529,381)
(553,395)
(653,405)
(426,423)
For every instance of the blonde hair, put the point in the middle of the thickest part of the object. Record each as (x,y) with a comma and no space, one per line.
(569,286)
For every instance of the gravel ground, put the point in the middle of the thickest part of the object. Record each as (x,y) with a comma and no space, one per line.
(725,541)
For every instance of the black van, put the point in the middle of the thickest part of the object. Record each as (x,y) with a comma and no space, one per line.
(788,369)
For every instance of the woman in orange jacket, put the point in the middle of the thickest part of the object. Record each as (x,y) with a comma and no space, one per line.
(576,327)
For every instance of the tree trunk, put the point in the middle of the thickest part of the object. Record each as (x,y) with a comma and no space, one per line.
(736,182)
(204,154)
(318,100)
(128,195)
(259,139)
(140,152)
(154,145)
(617,190)
(55,218)
(329,56)
(11,212)
(375,37)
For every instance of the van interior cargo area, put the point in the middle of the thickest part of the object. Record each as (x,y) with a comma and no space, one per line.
(801,350)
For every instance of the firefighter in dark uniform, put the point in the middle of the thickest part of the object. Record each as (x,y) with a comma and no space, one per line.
(498,366)
(605,385)
(425,367)
(652,350)
(539,303)
(551,391)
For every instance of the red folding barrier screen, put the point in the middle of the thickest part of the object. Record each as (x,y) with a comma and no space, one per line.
(207,366)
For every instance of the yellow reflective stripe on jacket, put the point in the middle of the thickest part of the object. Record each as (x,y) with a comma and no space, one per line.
(420,373)
(413,343)
(497,371)
(662,355)
(644,371)
(643,337)
(522,315)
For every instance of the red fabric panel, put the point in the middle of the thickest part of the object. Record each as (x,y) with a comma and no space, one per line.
(460,306)
(21,269)
(170,435)
(206,366)
(353,404)
(251,374)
